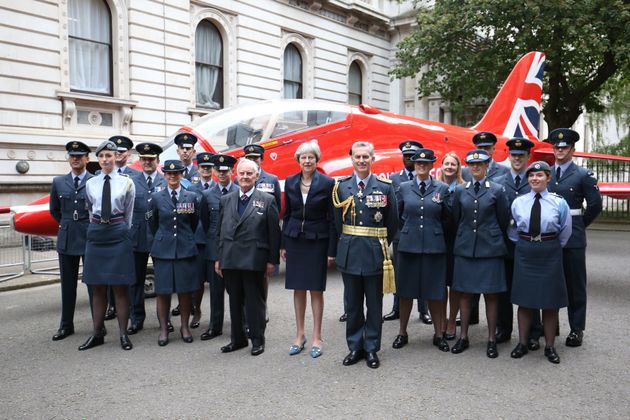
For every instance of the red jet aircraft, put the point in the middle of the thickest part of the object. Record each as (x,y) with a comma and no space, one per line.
(282,125)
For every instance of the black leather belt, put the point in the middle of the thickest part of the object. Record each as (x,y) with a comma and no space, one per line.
(107,222)
(539,238)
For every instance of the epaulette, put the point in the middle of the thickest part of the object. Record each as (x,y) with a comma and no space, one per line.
(555,194)
(344,178)
(385,180)
(123,174)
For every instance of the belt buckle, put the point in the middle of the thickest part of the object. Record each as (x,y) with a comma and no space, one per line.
(105,222)
(537,238)
(75,216)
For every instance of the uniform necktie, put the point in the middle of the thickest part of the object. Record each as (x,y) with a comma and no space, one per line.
(205,185)
(410,174)
(517,181)
(534,218)
(477,185)
(120,171)
(150,183)
(558,173)
(106,200)
(244,198)
(174,197)
(224,191)
(76,182)
(423,188)
(361,185)
(186,173)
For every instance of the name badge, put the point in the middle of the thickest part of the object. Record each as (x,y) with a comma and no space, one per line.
(185,208)
(266,187)
(376,200)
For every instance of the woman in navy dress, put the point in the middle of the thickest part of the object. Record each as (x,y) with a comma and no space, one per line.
(542,227)
(173,218)
(309,242)
(421,268)
(481,212)
(108,250)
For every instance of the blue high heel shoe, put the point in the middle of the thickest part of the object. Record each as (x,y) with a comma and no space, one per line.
(316,352)
(295,349)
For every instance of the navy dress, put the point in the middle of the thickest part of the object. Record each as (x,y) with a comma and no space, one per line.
(308,232)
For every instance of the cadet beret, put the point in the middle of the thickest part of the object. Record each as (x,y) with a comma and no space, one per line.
(519,145)
(410,147)
(205,159)
(223,162)
(148,150)
(76,148)
(254,150)
(106,145)
(122,143)
(538,166)
(174,165)
(424,155)
(563,137)
(477,155)
(185,140)
(484,138)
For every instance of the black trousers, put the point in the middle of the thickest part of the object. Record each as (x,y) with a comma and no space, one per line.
(69,270)
(574,264)
(364,332)
(137,312)
(217,298)
(506,312)
(246,289)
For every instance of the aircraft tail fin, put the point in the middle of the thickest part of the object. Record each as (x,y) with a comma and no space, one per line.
(515,111)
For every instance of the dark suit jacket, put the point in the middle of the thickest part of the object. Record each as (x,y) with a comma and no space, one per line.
(141,235)
(173,229)
(250,241)
(66,205)
(315,218)
(210,209)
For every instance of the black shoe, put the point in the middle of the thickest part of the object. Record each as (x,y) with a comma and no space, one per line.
(195,320)
(210,334)
(62,333)
(491,350)
(343,317)
(551,355)
(425,318)
(574,339)
(461,345)
(450,337)
(519,351)
(125,342)
(233,347)
(392,316)
(92,341)
(400,341)
(440,343)
(188,339)
(135,328)
(372,360)
(533,344)
(258,350)
(503,336)
(162,342)
(175,311)
(353,357)
(169,327)
(110,314)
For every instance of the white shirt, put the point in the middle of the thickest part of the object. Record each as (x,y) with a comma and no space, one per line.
(123,192)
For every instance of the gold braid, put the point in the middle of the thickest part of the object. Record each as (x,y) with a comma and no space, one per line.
(346,204)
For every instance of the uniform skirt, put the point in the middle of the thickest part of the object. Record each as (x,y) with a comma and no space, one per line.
(538,280)
(479,275)
(175,276)
(108,255)
(421,276)
(307,263)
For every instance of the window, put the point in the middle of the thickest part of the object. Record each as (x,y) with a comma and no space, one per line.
(209,65)
(292,73)
(90,42)
(355,84)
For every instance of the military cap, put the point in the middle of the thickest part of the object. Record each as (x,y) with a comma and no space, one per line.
(76,148)
(519,145)
(185,140)
(563,137)
(174,165)
(254,150)
(477,155)
(484,138)
(424,155)
(223,162)
(148,150)
(122,143)
(106,145)
(538,166)
(205,159)
(410,147)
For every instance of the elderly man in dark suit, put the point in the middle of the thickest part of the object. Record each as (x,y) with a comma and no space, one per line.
(249,249)
(67,207)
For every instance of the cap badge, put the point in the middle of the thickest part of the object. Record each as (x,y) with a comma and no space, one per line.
(119,141)
(517,144)
(172,166)
(408,145)
(185,137)
(476,156)
(483,136)
(147,147)
(422,155)
(560,136)
(75,145)
(221,159)
(537,166)
(206,158)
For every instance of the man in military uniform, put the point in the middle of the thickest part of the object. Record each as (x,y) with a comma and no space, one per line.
(515,183)
(366,216)
(186,151)
(123,146)
(576,185)
(487,141)
(408,149)
(146,182)
(68,208)
(223,165)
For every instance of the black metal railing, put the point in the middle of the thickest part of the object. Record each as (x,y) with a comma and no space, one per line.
(611,171)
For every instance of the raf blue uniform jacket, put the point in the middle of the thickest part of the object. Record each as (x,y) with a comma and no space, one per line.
(174,227)
(362,255)
(141,235)
(482,220)
(575,185)
(423,218)
(68,208)
(494,173)
(314,220)
(397,179)
(210,210)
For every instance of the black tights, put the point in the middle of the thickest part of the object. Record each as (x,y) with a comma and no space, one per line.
(549,320)
(492,313)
